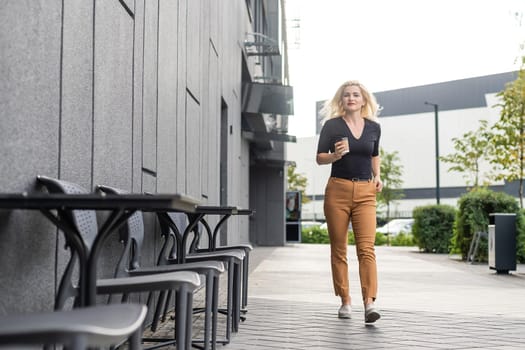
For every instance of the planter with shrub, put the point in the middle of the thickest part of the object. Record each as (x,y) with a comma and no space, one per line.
(473,216)
(433,227)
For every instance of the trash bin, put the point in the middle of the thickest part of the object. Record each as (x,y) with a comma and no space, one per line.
(293,231)
(502,242)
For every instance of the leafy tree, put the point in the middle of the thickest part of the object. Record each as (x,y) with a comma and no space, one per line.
(471,149)
(391,172)
(297,182)
(508,133)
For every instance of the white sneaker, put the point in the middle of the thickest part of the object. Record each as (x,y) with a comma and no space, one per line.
(371,313)
(345,311)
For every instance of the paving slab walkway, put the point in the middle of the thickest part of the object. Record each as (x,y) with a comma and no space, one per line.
(427,301)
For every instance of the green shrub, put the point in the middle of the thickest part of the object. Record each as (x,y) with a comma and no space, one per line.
(351,238)
(520,244)
(403,240)
(314,235)
(433,227)
(473,216)
(381,239)
(320,236)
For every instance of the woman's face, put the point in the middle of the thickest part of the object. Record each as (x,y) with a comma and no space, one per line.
(352,99)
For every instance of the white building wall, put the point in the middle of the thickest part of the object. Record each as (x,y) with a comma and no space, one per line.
(413,137)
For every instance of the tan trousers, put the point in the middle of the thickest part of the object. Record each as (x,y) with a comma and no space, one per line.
(347,200)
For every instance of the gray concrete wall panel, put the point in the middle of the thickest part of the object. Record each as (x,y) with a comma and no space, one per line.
(206,118)
(228,45)
(76,132)
(236,40)
(180,151)
(29,91)
(193,50)
(113,95)
(29,139)
(244,193)
(150,88)
(211,121)
(194,147)
(28,264)
(168,91)
(213,20)
(236,141)
(138,83)
(227,50)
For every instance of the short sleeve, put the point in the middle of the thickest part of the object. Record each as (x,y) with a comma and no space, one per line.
(375,151)
(324,139)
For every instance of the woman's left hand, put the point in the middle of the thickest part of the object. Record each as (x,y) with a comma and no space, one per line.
(379,184)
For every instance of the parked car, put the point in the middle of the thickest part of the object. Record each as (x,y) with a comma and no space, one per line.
(324,226)
(396,226)
(309,224)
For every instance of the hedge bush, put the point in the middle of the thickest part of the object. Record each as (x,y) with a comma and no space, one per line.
(403,240)
(314,235)
(433,227)
(473,216)
(520,244)
(319,235)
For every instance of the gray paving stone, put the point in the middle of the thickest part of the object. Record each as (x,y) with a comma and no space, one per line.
(427,302)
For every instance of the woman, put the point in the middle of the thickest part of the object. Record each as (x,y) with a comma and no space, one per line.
(350,193)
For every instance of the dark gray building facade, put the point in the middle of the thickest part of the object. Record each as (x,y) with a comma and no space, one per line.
(144,95)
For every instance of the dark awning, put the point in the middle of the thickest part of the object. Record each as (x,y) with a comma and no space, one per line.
(269,136)
(267,98)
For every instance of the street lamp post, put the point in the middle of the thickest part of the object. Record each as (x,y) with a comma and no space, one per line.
(436,130)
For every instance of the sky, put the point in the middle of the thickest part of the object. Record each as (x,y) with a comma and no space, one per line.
(393,44)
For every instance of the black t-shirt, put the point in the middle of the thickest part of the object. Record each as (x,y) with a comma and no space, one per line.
(358,162)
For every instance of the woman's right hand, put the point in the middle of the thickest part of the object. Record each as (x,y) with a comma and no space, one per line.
(339,149)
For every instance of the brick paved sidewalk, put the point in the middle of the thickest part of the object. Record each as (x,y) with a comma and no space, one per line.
(427,302)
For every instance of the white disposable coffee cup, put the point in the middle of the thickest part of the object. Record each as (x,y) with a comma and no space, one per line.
(345,142)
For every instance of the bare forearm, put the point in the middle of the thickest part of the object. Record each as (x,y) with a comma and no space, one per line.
(376,171)
(376,167)
(327,158)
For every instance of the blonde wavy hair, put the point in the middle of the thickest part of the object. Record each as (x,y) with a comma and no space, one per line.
(334,108)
